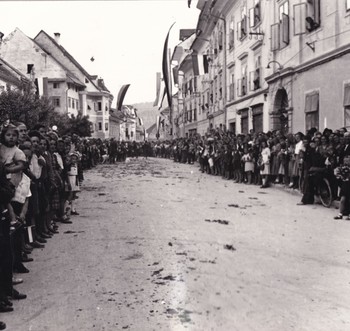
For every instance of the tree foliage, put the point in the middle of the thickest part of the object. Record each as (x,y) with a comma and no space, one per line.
(27,107)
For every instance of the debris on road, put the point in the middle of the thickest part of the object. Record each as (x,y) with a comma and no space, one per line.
(229,247)
(217,221)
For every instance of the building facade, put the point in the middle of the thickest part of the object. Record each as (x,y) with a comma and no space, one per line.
(59,77)
(271,65)
(95,99)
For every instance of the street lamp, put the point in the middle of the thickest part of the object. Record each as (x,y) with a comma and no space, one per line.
(273,61)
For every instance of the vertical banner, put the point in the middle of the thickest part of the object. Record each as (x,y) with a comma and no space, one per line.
(166,68)
(121,96)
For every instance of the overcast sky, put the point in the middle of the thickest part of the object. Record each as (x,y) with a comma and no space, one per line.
(126,38)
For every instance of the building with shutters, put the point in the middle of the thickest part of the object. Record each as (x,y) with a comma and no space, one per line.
(95,99)
(247,25)
(59,77)
(272,65)
(308,86)
(53,79)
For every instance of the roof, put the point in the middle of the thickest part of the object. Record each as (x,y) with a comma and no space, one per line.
(70,75)
(69,56)
(10,74)
(101,84)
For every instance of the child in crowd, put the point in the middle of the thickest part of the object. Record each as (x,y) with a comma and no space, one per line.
(247,159)
(72,187)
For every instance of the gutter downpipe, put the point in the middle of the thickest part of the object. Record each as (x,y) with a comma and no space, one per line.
(224,69)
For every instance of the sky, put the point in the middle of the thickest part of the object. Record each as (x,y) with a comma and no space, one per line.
(126,38)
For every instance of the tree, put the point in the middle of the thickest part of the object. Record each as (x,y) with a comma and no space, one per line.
(79,125)
(25,106)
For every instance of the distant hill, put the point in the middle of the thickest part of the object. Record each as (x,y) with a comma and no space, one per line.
(147,112)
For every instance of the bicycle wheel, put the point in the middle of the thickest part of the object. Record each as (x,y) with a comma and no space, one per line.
(325,193)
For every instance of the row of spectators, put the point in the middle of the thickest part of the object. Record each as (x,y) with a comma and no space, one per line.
(273,157)
(40,177)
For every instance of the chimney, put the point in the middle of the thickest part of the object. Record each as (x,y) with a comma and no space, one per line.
(57,37)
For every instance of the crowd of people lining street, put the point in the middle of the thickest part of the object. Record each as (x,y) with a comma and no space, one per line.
(298,161)
(41,175)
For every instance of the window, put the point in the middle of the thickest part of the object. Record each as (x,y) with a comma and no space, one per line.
(69,102)
(231,38)
(311,111)
(106,126)
(347,105)
(242,24)
(313,19)
(242,83)
(73,103)
(220,41)
(56,85)
(77,104)
(232,87)
(280,30)
(257,112)
(307,16)
(244,121)
(131,133)
(255,76)
(99,106)
(56,102)
(99,126)
(106,108)
(254,14)
(195,115)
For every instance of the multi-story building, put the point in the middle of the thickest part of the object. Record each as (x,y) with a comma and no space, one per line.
(309,82)
(53,79)
(181,115)
(11,78)
(60,77)
(95,99)
(271,65)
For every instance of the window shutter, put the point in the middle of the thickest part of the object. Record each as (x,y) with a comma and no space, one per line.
(314,102)
(239,30)
(299,19)
(252,17)
(275,40)
(251,81)
(347,95)
(308,103)
(231,39)
(317,12)
(285,29)
(220,42)
(244,26)
(239,87)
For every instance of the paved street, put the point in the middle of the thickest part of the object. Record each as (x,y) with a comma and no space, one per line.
(151,251)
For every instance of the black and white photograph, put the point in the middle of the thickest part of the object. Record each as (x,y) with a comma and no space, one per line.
(170,165)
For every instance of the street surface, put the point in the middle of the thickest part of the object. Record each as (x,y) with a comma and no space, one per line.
(151,251)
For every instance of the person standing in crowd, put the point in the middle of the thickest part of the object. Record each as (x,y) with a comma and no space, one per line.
(264,163)
(299,147)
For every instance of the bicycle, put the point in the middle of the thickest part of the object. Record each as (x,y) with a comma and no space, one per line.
(323,187)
